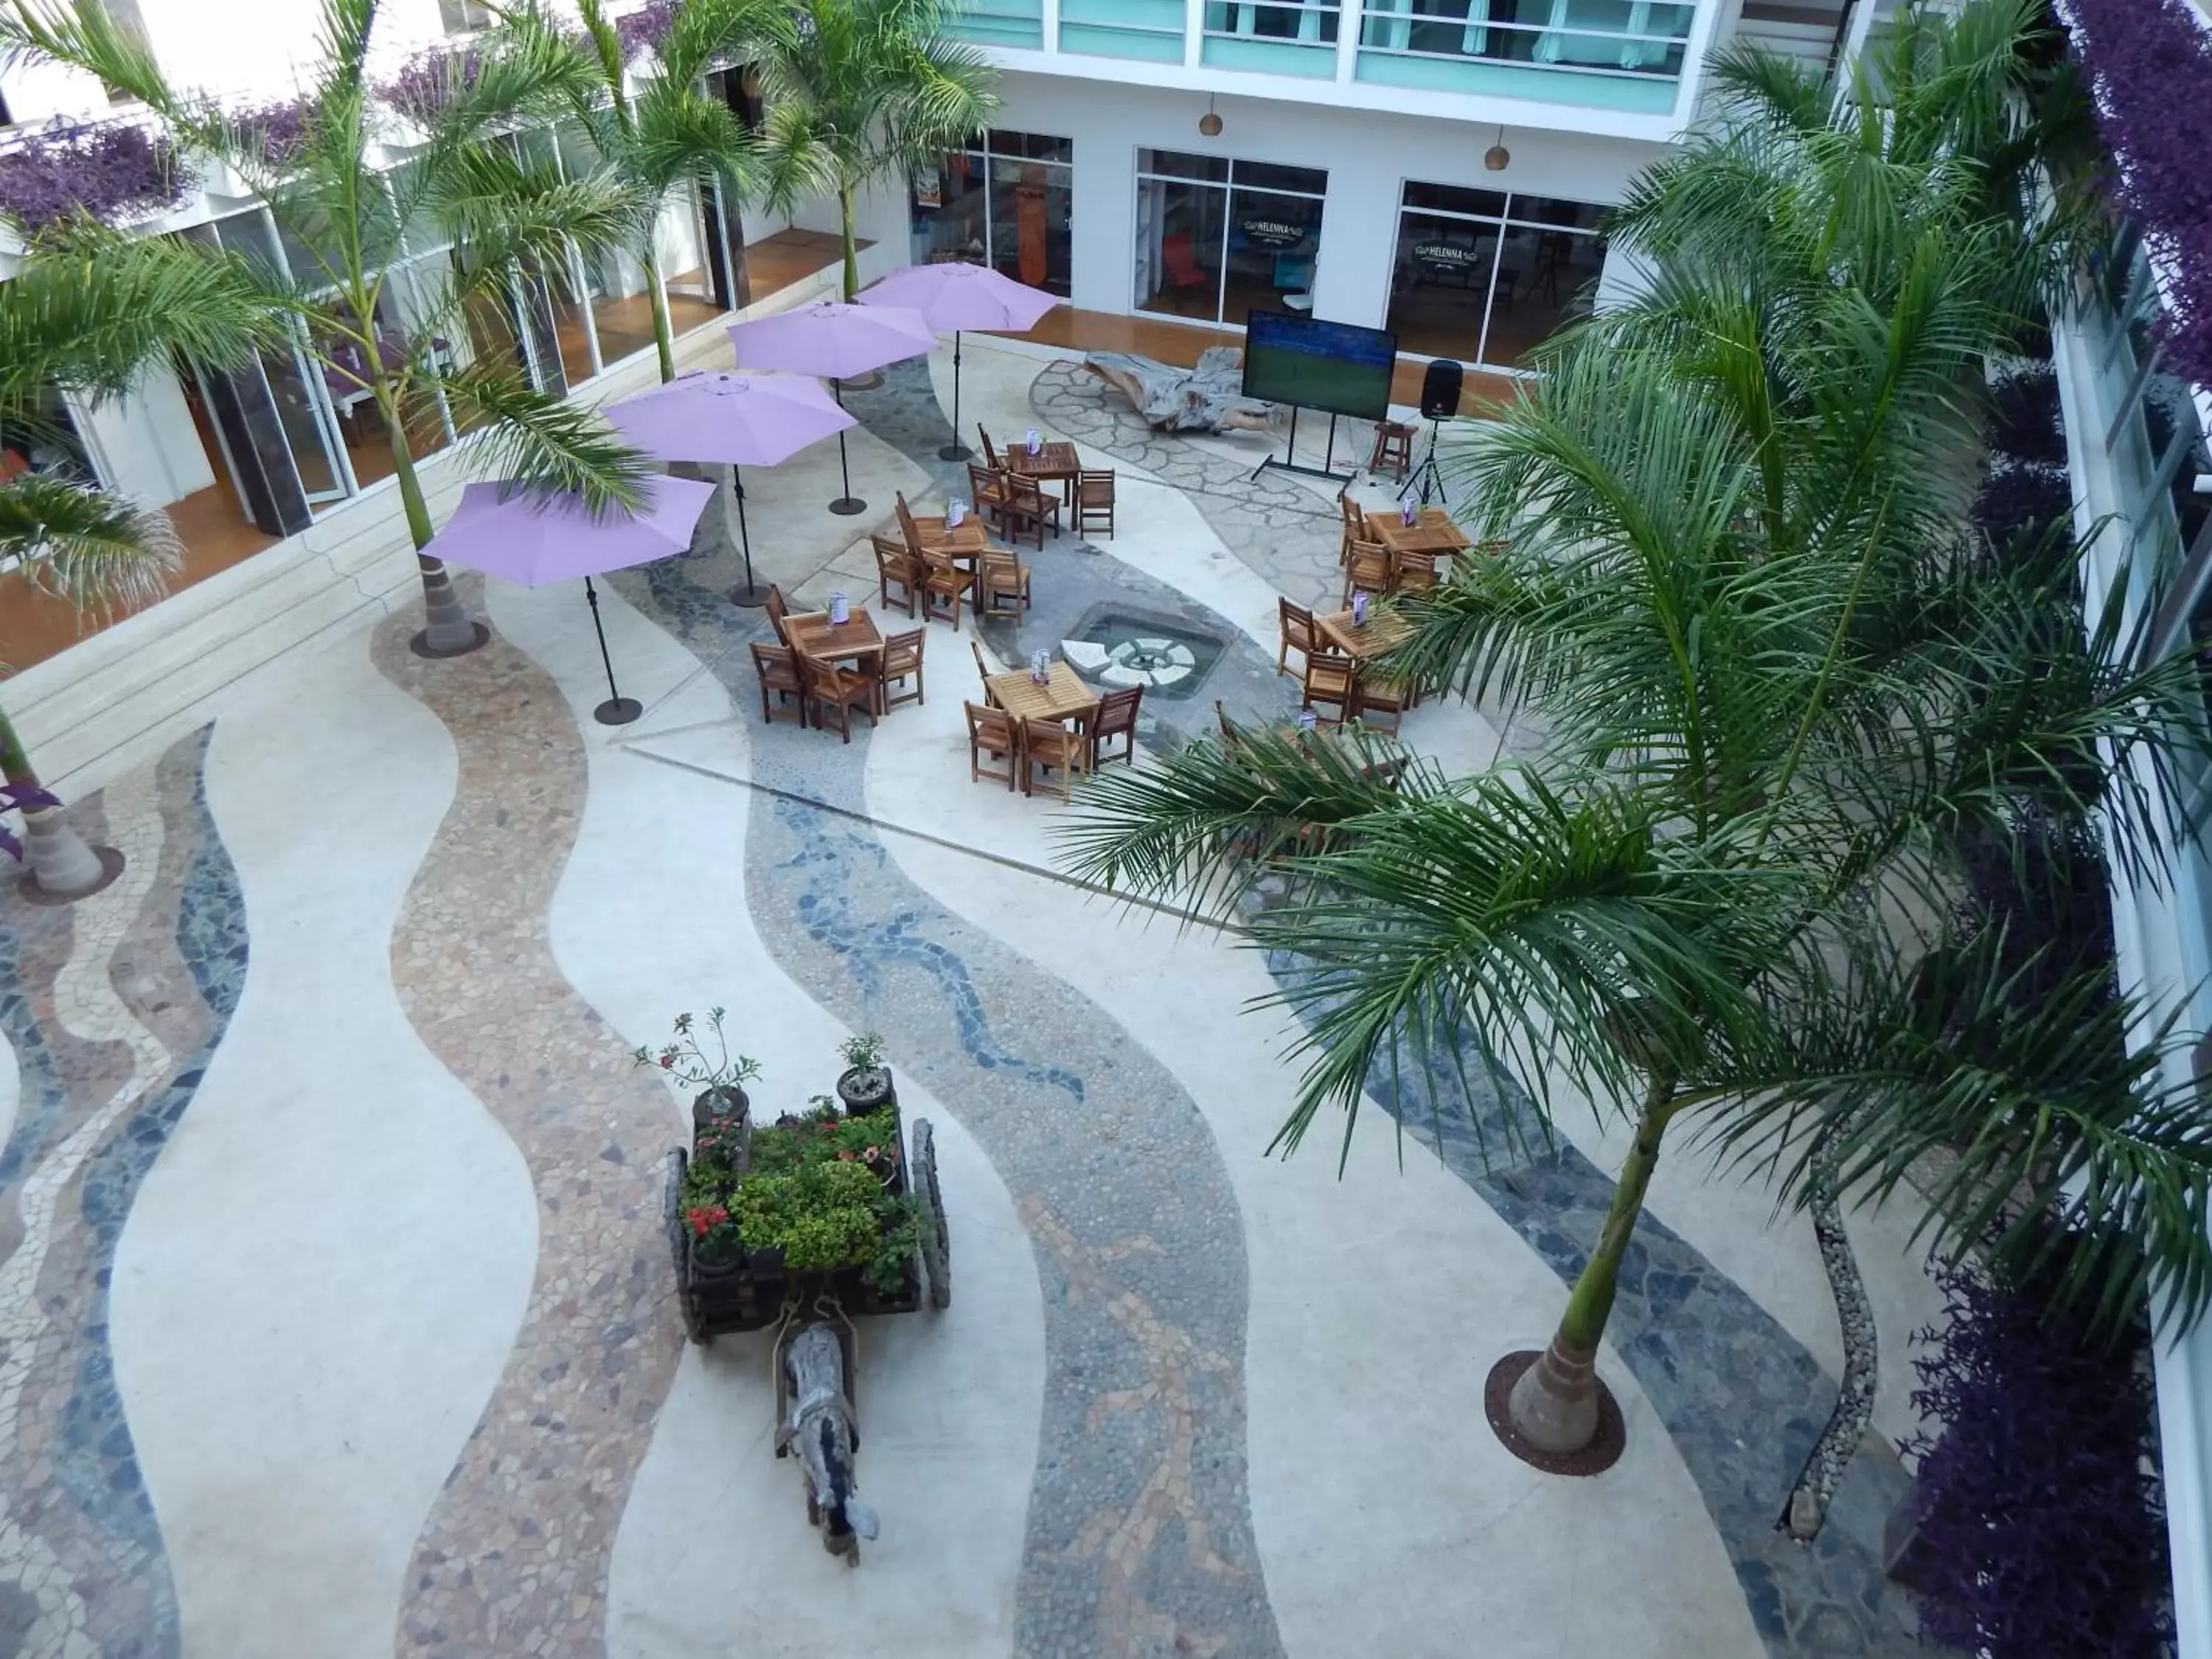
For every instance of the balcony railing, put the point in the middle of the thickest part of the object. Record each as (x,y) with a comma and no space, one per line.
(1272,38)
(1618,54)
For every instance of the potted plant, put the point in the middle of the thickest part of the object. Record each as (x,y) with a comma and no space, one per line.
(864,1085)
(716,1246)
(719,1077)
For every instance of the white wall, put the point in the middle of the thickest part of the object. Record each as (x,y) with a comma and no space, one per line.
(1369,157)
(145,445)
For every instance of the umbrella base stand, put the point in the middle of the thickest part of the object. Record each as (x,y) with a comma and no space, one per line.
(846,506)
(956,452)
(748,595)
(619,711)
(421,645)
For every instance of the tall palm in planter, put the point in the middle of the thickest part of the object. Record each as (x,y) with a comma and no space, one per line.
(507,218)
(1779,678)
(82,316)
(857,88)
(666,136)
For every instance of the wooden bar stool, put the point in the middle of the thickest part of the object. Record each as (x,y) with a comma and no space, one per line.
(1393,449)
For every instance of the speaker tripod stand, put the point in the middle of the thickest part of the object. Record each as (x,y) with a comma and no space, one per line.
(1425,475)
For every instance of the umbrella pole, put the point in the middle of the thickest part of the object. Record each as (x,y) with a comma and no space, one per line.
(753,595)
(847,504)
(617,710)
(955,451)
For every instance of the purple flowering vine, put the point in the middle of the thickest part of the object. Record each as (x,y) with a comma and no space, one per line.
(2150,65)
(279,130)
(426,84)
(644,29)
(113,172)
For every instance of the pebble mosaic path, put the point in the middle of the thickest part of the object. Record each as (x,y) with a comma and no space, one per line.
(113,1008)
(514,1556)
(1139,1542)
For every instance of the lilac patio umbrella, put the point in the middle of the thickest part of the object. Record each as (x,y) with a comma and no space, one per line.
(501,530)
(956,296)
(838,340)
(732,421)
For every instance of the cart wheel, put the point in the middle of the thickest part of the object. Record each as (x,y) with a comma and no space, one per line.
(936,1237)
(679,1245)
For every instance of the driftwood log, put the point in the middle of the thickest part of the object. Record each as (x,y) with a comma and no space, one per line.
(1208,399)
(819,1428)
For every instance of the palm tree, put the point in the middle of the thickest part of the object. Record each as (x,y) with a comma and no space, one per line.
(666,137)
(1781,676)
(81,318)
(856,88)
(510,220)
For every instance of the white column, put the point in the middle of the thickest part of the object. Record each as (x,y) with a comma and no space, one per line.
(1051,25)
(1347,40)
(1193,32)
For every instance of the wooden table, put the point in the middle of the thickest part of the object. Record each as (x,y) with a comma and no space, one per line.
(1053,461)
(1384,630)
(1433,532)
(1063,696)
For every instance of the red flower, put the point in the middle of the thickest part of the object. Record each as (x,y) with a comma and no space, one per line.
(668,1062)
(874,1153)
(706,1218)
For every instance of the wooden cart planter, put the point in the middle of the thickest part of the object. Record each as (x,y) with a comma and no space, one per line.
(752,1293)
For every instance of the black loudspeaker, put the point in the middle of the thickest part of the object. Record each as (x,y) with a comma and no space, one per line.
(1440,390)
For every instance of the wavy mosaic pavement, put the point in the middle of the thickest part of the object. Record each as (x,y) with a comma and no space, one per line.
(114,1007)
(513,1556)
(1139,1536)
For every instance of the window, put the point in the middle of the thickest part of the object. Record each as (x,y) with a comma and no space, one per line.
(6,120)
(463,16)
(1633,36)
(1218,239)
(1485,276)
(1007,200)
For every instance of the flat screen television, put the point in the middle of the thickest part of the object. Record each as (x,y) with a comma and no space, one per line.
(1337,367)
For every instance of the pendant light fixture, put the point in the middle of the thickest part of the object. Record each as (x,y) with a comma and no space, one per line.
(1210,124)
(1498,157)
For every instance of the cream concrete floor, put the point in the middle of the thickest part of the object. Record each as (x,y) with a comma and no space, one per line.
(292,1438)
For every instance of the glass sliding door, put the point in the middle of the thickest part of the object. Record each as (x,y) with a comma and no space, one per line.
(1007,202)
(300,387)
(1217,239)
(1485,277)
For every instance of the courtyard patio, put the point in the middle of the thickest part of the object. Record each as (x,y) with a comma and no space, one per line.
(338,1311)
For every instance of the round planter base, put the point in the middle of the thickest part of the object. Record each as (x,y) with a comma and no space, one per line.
(1601,1454)
(421,645)
(111,866)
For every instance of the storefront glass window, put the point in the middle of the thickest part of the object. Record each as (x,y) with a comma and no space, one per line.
(1009,202)
(1217,239)
(1484,277)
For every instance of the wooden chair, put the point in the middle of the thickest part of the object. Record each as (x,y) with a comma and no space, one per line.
(1394,448)
(1232,733)
(990,455)
(944,585)
(778,668)
(1373,694)
(1299,634)
(1116,717)
(1329,680)
(1000,576)
(895,567)
(991,732)
(923,534)
(1412,572)
(1094,500)
(841,689)
(901,660)
(1367,570)
(982,672)
(1030,505)
(1355,527)
(777,610)
(1048,744)
(988,487)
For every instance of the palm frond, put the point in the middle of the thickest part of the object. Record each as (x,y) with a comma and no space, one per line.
(101,553)
(545,444)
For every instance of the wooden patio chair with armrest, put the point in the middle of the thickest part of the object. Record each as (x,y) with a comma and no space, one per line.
(1000,576)
(1329,680)
(1299,634)
(944,585)
(1029,507)
(991,732)
(987,485)
(1372,694)
(1094,500)
(1115,717)
(1048,744)
(900,660)
(778,668)
(1367,570)
(895,567)
(1412,572)
(841,689)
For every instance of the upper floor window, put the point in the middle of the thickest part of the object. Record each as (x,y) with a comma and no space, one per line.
(463,16)
(1635,36)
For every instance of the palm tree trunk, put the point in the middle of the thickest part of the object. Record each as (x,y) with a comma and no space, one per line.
(61,863)
(1554,1405)
(851,253)
(449,632)
(664,330)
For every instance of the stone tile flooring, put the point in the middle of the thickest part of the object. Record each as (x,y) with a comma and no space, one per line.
(1185,1479)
